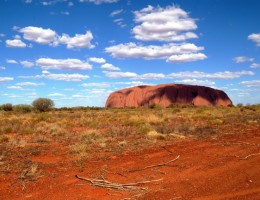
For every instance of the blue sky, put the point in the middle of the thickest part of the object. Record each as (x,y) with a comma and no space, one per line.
(78,52)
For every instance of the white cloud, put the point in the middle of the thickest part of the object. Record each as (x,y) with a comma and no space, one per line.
(116,12)
(78,41)
(65,77)
(151,76)
(132,50)
(45,72)
(179,75)
(109,66)
(242,59)
(2,68)
(186,57)
(217,75)
(4,79)
(164,24)
(96,85)
(27,63)
(70,4)
(253,83)
(99,91)
(15,87)
(255,65)
(29,84)
(97,60)
(40,35)
(10,61)
(16,43)
(15,28)
(120,22)
(65,13)
(255,37)
(97,2)
(28,1)
(56,95)
(63,64)
(120,74)
(196,82)
(80,96)
(2,35)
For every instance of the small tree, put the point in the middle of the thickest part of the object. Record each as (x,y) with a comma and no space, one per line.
(43,104)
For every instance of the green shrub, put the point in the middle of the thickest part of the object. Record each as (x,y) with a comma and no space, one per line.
(23,108)
(7,107)
(43,104)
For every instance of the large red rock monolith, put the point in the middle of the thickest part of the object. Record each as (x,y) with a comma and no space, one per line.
(167,94)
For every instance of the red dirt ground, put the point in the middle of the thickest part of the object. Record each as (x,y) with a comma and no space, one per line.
(227,168)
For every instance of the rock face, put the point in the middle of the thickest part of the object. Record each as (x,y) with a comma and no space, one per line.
(167,94)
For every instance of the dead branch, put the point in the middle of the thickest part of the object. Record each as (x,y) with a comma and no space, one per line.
(118,186)
(250,155)
(158,165)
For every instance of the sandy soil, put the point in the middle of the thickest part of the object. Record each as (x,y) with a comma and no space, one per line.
(226,168)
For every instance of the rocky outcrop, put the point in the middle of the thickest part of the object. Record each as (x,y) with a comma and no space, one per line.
(167,94)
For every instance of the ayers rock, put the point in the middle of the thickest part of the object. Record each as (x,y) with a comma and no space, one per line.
(167,94)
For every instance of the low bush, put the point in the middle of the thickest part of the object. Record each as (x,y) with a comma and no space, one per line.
(7,107)
(23,108)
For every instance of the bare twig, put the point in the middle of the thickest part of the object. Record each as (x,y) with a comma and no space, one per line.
(250,155)
(158,165)
(118,186)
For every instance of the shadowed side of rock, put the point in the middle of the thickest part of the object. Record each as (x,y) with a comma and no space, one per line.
(167,94)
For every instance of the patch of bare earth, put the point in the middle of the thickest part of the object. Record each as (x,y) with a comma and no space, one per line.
(222,169)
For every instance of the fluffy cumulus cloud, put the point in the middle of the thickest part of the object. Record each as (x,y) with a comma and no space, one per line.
(40,35)
(132,50)
(253,83)
(97,60)
(4,79)
(255,37)
(63,64)
(16,43)
(108,66)
(186,57)
(255,65)
(164,24)
(97,2)
(216,75)
(50,37)
(78,41)
(27,63)
(11,61)
(171,25)
(242,59)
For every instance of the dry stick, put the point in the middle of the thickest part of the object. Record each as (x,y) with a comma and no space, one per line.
(158,165)
(254,154)
(108,184)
